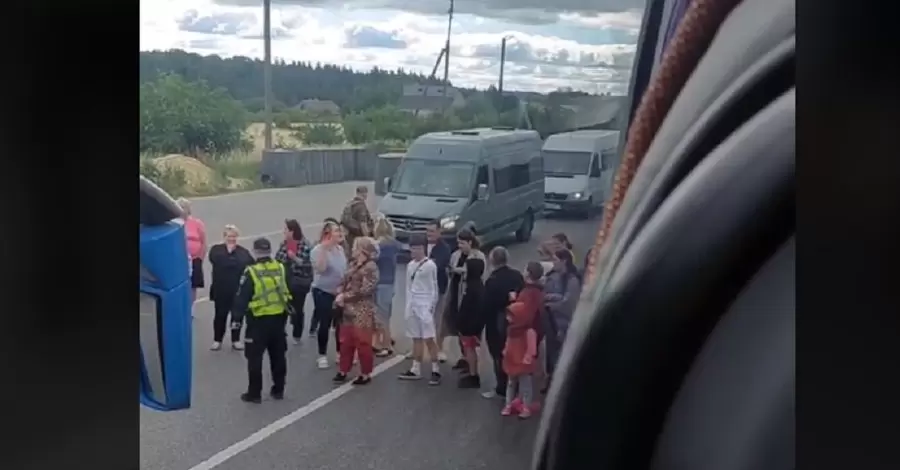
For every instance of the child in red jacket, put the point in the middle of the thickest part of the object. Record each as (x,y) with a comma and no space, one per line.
(520,352)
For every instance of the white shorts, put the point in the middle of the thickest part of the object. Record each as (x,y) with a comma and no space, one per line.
(419,328)
(419,321)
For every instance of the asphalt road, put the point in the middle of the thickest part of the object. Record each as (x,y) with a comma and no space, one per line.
(387,425)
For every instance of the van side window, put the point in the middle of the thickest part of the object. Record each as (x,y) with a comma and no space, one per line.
(520,174)
(502,179)
(596,166)
(607,157)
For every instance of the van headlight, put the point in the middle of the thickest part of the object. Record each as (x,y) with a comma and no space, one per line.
(577,196)
(449,223)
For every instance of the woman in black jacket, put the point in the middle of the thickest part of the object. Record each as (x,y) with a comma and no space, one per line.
(294,253)
(228,260)
(470,321)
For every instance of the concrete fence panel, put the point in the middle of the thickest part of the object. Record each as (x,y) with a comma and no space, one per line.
(283,168)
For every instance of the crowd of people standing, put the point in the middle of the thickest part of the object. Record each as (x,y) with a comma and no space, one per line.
(350,273)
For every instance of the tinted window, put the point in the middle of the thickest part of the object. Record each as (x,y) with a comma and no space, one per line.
(607,159)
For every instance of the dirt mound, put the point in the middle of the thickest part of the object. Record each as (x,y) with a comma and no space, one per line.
(196,173)
(199,178)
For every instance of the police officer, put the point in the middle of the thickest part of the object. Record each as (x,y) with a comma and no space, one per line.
(264,295)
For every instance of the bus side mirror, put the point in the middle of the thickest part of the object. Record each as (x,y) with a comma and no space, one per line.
(387,183)
(482,192)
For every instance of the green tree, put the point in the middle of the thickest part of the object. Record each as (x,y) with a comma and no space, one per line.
(177,116)
(358,129)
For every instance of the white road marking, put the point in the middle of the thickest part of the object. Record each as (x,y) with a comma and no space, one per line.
(288,420)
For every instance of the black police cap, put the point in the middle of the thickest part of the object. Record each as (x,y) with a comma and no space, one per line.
(262,244)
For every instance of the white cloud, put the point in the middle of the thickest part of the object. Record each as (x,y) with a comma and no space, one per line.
(539,58)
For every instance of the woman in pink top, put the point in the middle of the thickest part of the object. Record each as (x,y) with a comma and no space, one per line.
(195,231)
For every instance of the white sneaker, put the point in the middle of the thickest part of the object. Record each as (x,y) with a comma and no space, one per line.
(215,346)
(237,345)
(293,341)
(442,357)
(322,362)
(488,394)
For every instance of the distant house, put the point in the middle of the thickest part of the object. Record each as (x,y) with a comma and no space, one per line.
(424,100)
(319,106)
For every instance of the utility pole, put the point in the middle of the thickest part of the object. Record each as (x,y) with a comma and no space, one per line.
(267,70)
(502,62)
(447,51)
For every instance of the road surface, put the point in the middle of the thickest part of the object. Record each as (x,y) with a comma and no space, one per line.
(387,425)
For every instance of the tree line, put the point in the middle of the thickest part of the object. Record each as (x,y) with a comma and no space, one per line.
(196,104)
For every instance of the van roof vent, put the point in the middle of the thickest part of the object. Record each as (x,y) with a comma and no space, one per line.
(464,132)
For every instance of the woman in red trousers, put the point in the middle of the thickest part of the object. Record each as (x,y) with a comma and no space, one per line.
(356,300)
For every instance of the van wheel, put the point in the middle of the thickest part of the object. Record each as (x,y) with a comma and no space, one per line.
(524,232)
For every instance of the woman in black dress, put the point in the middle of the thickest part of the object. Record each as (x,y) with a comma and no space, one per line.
(228,260)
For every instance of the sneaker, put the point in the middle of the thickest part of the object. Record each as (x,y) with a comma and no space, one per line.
(442,357)
(461,365)
(469,381)
(435,378)
(507,410)
(409,375)
(277,395)
(339,378)
(362,380)
(384,353)
(294,341)
(524,412)
(215,346)
(312,333)
(322,362)
(246,397)
(237,345)
(489,394)
(516,405)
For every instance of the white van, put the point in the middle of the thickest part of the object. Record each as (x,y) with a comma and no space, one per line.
(486,180)
(578,168)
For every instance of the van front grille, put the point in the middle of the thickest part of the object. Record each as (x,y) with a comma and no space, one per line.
(408,224)
(555,197)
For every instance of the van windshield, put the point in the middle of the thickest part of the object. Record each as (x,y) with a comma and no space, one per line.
(562,163)
(433,178)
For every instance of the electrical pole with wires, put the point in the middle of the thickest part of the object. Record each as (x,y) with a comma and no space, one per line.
(267,70)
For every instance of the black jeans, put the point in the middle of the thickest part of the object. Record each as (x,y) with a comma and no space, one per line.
(266,334)
(495,336)
(323,308)
(222,308)
(298,294)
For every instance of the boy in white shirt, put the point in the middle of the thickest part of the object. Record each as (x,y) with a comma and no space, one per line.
(421,300)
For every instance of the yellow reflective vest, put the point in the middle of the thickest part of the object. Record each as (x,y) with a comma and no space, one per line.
(270,291)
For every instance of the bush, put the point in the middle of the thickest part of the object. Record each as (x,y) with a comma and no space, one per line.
(320,134)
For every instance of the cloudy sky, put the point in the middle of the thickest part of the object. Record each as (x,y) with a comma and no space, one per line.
(583,44)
